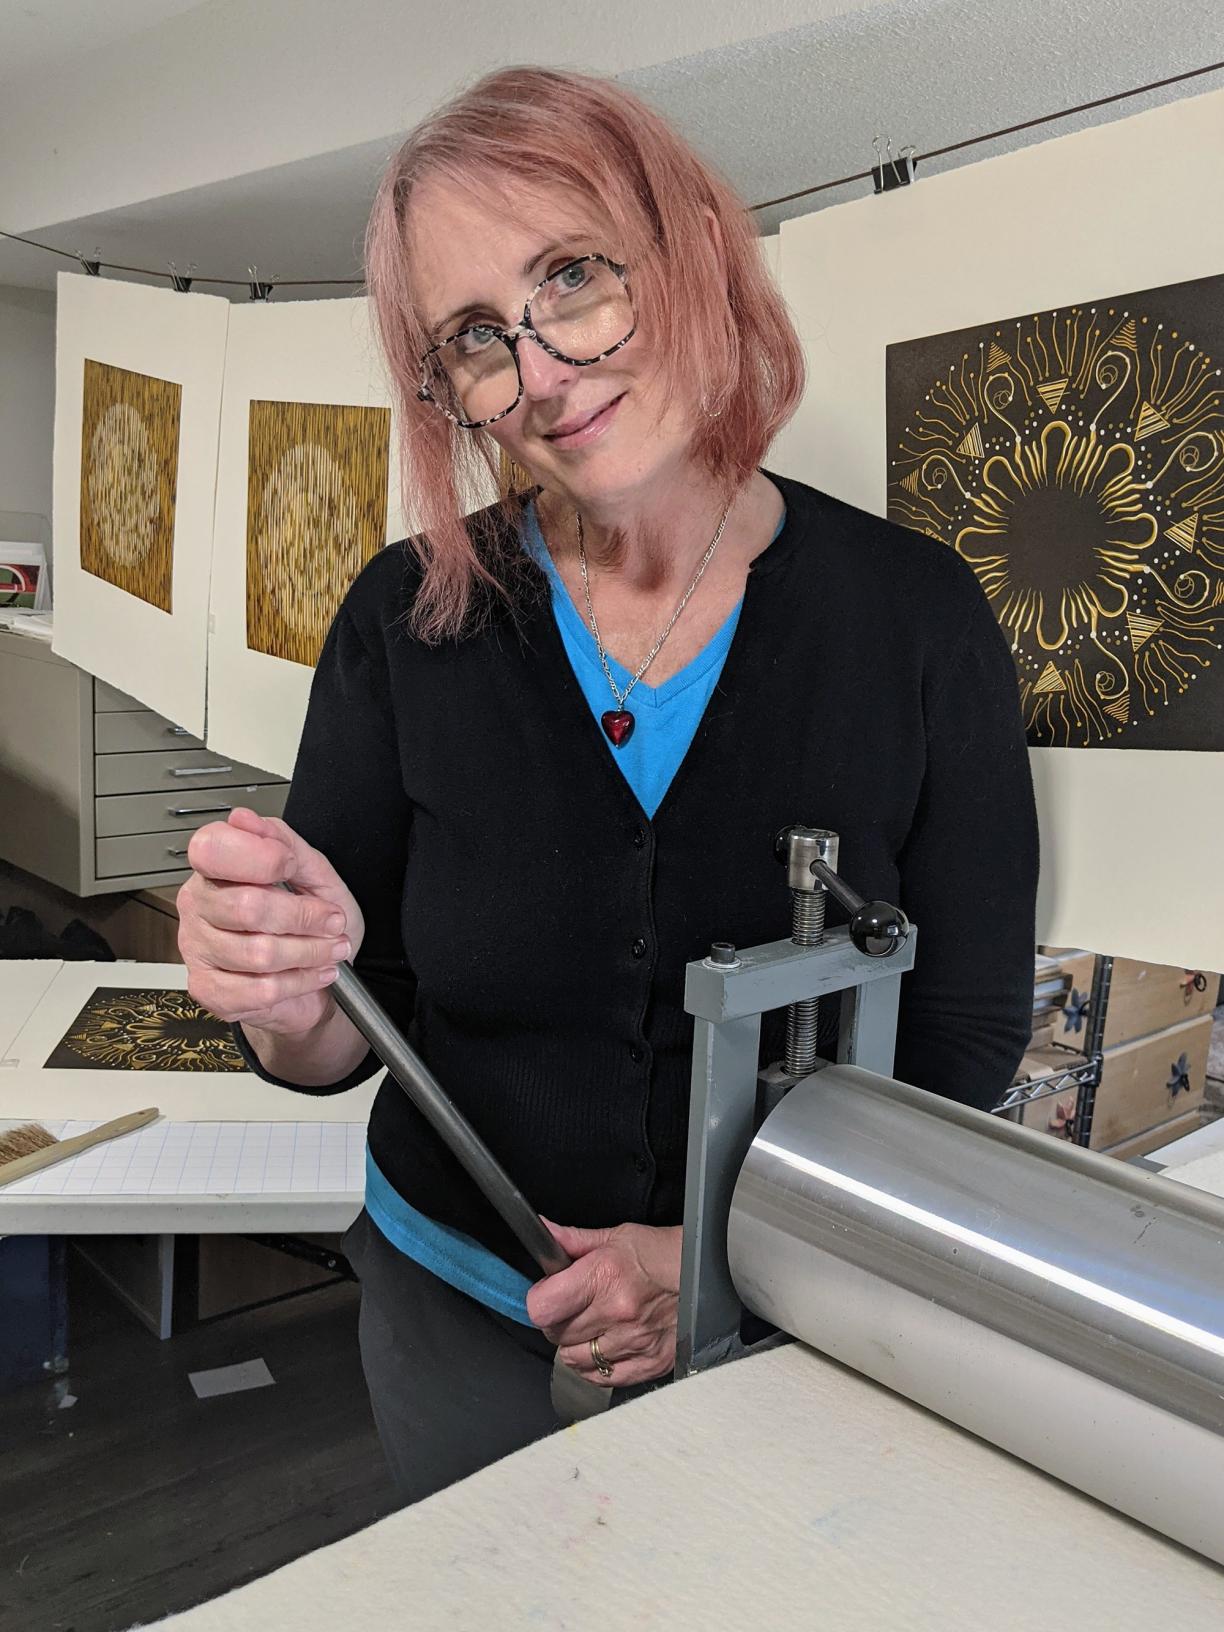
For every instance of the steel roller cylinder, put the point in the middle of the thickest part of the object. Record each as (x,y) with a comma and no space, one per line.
(1059,1304)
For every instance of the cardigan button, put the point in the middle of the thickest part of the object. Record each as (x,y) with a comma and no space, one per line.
(636,1053)
(638,948)
(639,838)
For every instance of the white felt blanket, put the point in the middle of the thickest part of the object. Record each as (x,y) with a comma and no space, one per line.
(782,1491)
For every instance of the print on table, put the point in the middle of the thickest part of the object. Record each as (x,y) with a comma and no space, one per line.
(1075,459)
(316,513)
(129,480)
(125,1030)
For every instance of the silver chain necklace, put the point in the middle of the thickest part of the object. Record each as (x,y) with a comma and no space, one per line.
(618,722)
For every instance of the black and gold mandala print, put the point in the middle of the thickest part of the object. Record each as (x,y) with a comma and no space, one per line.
(120,1030)
(316,513)
(1075,459)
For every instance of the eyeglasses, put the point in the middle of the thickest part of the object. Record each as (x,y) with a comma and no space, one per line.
(580,314)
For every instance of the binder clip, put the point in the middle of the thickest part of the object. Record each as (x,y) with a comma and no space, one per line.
(91,269)
(889,172)
(259,290)
(181,283)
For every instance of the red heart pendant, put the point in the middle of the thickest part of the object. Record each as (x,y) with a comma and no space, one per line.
(618,723)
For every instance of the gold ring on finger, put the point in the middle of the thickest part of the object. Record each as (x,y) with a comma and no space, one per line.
(601,1365)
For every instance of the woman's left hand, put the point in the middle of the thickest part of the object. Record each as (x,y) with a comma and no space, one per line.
(623,1289)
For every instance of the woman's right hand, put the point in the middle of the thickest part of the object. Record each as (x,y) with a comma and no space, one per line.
(254,951)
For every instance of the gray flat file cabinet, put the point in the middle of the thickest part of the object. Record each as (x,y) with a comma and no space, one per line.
(97,792)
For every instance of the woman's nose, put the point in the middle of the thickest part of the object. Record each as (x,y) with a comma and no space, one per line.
(542,375)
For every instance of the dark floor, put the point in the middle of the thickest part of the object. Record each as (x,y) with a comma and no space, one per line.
(141,1499)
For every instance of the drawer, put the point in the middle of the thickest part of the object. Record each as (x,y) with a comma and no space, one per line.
(184,771)
(139,732)
(141,853)
(107,700)
(183,808)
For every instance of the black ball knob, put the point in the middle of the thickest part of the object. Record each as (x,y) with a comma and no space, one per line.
(878,929)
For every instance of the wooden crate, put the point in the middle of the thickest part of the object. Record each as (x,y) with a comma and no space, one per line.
(1144,998)
(1151,1081)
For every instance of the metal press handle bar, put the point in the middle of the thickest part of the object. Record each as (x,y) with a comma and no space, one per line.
(447,1120)
(200,770)
(198,810)
(436,1106)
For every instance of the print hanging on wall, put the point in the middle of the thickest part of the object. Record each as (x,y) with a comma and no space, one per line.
(316,513)
(129,480)
(145,1030)
(138,376)
(1075,459)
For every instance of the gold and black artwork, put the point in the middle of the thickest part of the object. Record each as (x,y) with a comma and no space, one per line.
(129,480)
(1075,460)
(316,513)
(124,1030)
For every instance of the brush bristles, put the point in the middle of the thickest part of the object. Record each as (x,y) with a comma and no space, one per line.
(24,1141)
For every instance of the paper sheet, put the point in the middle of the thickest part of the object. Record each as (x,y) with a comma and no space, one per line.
(156,656)
(934,257)
(22,984)
(1204,1173)
(208,1159)
(31,1090)
(318,351)
(230,1379)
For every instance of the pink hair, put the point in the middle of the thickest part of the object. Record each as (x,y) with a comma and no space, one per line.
(721,331)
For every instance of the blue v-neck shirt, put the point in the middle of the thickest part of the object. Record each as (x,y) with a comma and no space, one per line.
(666,716)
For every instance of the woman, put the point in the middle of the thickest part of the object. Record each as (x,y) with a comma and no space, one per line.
(549,746)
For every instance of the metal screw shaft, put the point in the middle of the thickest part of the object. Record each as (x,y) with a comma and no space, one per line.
(802,1019)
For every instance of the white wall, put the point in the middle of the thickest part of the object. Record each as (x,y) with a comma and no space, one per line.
(27,398)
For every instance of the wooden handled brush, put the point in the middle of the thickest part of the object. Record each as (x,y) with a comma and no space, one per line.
(30,1148)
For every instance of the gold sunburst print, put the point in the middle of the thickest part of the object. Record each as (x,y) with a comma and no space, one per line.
(1075,460)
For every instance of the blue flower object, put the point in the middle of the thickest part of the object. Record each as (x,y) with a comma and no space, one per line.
(1076,1010)
(1179,1076)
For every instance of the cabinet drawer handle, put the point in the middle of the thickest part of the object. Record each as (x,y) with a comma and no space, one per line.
(176,852)
(200,770)
(178,731)
(198,810)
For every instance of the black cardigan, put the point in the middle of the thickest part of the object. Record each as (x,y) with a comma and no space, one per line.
(529,922)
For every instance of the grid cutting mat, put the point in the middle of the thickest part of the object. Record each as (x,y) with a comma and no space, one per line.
(209,1159)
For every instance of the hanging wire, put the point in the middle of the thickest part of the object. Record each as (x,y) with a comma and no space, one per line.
(766,204)
(993,135)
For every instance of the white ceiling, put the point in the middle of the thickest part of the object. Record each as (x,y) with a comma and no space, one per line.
(41,36)
(776,113)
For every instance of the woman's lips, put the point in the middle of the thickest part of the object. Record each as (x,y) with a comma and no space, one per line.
(593,427)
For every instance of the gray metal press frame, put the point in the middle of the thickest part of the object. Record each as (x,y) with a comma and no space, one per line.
(727,1000)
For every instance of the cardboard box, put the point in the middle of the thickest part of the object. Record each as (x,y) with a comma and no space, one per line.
(1144,998)
(1150,1081)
